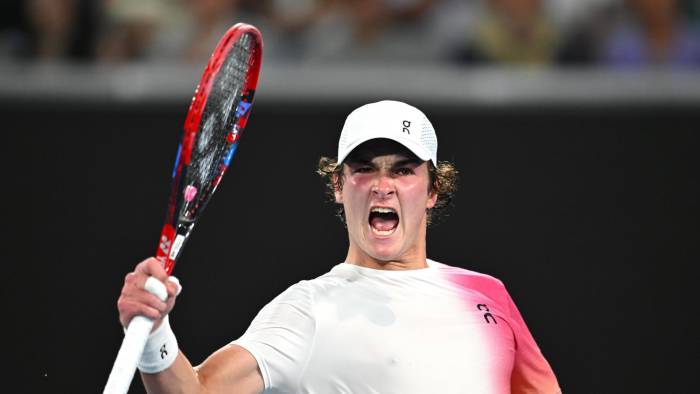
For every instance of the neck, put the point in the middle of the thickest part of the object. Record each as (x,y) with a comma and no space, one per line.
(390,265)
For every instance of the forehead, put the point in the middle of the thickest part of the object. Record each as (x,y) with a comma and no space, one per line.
(371,149)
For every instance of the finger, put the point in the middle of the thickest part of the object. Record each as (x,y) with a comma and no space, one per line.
(130,278)
(152,267)
(142,267)
(174,286)
(139,281)
(133,284)
(169,305)
(131,309)
(140,295)
(155,267)
(148,289)
(154,302)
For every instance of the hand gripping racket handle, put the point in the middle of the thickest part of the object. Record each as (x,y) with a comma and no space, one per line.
(132,346)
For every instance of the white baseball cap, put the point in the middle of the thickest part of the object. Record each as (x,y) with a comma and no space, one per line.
(394,120)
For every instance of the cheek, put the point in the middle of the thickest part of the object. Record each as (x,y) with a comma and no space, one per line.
(356,187)
(353,194)
(351,186)
(416,199)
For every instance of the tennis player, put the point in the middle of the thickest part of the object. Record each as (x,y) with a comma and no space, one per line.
(387,319)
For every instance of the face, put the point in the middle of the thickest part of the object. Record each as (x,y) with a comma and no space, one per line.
(385,195)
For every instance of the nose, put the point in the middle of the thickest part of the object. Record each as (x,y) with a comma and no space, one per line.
(383,186)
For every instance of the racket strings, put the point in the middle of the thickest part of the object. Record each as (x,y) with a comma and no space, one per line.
(219,119)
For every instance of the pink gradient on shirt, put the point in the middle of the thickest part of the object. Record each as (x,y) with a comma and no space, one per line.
(525,371)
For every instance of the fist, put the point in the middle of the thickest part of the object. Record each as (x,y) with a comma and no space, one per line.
(136,300)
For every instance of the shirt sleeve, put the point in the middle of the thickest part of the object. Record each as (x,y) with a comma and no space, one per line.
(280,338)
(531,373)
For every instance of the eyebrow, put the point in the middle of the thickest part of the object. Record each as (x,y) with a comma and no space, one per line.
(410,160)
(399,163)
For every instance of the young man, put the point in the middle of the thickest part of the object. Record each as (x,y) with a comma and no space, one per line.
(387,320)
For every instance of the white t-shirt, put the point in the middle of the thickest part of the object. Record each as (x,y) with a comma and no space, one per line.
(439,329)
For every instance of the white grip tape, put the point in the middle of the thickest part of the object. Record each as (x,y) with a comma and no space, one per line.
(129,355)
(157,288)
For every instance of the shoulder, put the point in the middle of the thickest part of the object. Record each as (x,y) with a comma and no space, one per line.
(465,274)
(308,290)
(472,280)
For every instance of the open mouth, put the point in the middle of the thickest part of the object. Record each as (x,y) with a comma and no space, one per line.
(383,221)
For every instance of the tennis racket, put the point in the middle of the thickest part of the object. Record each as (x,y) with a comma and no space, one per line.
(215,122)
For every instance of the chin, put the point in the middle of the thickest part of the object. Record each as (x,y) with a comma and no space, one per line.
(385,248)
(385,254)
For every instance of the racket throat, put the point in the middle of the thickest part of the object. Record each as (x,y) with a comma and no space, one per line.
(182,234)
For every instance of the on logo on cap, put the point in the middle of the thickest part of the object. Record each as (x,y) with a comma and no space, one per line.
(406,125)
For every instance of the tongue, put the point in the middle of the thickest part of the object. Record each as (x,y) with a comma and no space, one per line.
(383,224)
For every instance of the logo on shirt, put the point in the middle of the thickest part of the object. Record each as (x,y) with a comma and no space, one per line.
(487,314)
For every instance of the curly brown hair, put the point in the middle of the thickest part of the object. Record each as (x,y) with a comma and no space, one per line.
(443,181)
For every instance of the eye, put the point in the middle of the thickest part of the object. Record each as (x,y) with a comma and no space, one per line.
(403,171)
(362,169)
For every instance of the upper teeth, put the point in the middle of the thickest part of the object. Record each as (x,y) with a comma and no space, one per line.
(383,210)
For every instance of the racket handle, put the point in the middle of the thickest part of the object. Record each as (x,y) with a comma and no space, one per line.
(129,355)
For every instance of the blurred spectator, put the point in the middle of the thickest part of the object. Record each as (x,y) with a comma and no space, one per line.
(287,24)
(355,30)
(512,32)
(652,32)
(581,44)
(211,20)
(129,28)
(693,11)
(290,16)
(49,30)
(165,30)
(350,29)
(14,31)
(452,25)
(52,22)
(571,14)
(524,32)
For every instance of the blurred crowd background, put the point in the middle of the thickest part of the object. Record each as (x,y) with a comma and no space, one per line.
(531,33)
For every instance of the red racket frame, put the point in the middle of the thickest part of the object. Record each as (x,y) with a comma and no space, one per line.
(194,116)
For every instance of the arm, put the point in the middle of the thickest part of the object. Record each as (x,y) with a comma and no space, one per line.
(531,373)
(230,369)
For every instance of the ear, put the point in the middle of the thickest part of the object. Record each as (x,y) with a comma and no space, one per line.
(337,191)
(432,199)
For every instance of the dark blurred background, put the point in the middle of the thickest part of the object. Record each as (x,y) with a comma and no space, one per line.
(573,123)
